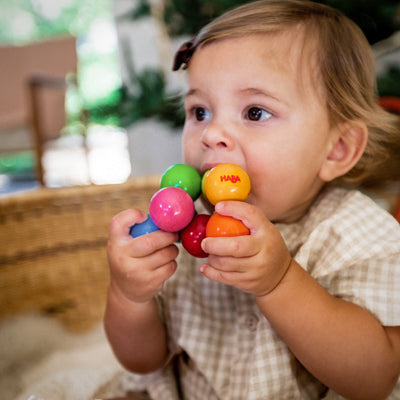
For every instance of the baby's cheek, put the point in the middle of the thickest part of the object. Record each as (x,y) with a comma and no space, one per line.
(190,151)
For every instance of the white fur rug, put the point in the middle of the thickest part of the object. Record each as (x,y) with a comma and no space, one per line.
(39,360)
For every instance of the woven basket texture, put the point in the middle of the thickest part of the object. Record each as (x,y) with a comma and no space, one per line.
(52,249)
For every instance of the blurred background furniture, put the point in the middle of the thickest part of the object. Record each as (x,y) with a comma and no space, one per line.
(47,114)
(53,249)
(32,84)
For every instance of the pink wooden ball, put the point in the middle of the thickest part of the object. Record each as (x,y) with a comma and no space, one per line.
(171,209)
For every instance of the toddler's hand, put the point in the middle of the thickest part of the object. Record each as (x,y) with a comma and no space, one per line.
(255,263)
(140,266)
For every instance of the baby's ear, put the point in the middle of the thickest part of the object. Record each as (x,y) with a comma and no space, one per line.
(346,148)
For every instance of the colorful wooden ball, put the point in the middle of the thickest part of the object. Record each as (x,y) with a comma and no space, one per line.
(192,235)
(221,225)
(226,182)
(143,228)
(171,209)
(183,176)
(203,180)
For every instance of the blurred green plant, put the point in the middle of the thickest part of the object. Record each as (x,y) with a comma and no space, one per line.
(23,21)
(149,99)
(182,16)
(389,83)
(377,19)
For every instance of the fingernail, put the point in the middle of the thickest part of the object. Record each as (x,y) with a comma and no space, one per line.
(219,206)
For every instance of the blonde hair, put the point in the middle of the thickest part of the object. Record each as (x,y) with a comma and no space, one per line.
(346,69)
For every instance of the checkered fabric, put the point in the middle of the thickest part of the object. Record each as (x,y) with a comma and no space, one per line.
(224,348)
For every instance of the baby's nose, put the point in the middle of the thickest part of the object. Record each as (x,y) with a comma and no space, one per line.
(217,136)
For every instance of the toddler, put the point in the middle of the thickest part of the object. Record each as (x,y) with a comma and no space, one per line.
(308,305)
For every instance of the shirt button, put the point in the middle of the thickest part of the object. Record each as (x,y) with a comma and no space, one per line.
(251,322)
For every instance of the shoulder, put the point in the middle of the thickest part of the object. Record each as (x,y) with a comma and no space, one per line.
(343,229)
(346,218)
(351,246)
(355,219)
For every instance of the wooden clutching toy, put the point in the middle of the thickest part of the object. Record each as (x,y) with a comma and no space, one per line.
(172,207)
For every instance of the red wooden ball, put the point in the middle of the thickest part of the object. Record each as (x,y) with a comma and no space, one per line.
(193,234)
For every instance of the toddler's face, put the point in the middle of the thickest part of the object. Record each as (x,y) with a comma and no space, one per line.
(252,102)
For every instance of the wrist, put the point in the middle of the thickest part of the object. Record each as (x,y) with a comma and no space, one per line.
(116,295)
(279,281)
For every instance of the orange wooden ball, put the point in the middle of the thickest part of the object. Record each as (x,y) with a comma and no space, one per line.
(226,182)
(223,226)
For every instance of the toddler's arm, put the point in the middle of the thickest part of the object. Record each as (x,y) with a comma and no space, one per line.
(340,343)
(138,269)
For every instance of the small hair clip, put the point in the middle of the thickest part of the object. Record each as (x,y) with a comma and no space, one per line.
(183,55)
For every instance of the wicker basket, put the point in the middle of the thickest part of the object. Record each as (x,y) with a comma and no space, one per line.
(52,249)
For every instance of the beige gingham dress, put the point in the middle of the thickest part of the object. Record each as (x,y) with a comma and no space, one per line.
(224,348)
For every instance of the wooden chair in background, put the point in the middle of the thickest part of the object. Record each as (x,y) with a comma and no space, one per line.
(32,85)
(47,112)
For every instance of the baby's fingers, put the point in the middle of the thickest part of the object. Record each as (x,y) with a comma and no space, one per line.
(250,215)
(159,276)
(146,245)
(121,223)
(161,257)
(217,275)
(238,246)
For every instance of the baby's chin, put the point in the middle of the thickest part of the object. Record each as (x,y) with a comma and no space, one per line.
(269,213)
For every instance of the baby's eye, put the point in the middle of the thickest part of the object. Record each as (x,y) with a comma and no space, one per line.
(257,114)
(202,114)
